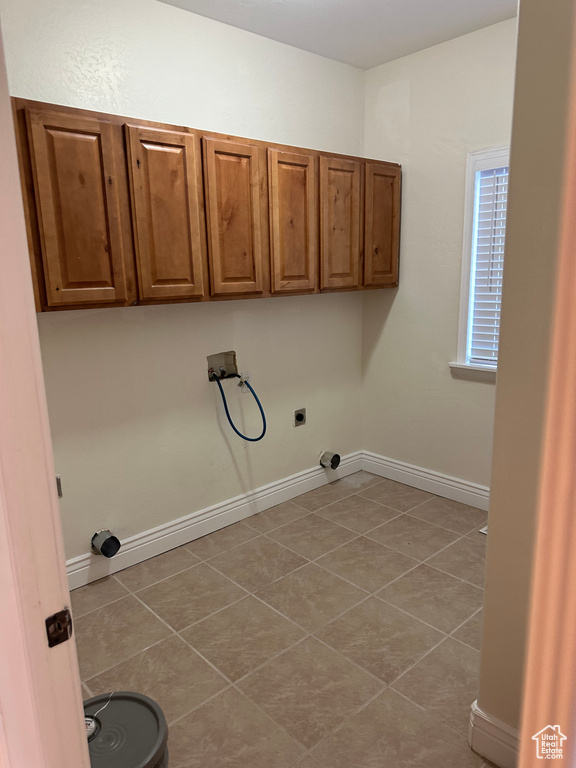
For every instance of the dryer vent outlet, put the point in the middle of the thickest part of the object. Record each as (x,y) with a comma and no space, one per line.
(329,460)
(105,543)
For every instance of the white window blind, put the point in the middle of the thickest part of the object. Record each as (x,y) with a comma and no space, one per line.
(488,240)
(486,197)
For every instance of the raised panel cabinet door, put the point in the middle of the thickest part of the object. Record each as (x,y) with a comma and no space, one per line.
(293,221)
(232,177)
(167,217)
(382,224)
(76,180)
(340,215)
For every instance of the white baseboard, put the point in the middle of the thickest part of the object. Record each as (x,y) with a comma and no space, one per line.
(427,480)
(136,549)
(493,739)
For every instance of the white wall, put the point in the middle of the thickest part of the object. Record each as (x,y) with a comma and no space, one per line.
(137,428)
(140,437)
(427,111)
(144,59)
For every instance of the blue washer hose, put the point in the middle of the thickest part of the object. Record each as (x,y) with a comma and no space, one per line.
(249,439)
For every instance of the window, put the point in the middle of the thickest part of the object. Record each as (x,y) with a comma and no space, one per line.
(483,262)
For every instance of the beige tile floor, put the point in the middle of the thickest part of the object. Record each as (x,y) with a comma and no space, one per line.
(338,630)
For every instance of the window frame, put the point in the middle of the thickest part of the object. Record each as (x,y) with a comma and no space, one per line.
(482,160)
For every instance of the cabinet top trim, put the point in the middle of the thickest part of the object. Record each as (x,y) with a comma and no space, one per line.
(20,103)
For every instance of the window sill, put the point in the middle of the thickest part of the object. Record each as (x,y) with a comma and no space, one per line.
(473,372)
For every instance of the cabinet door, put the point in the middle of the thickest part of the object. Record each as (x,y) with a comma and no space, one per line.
(166,213)
(75,162)
(29,202)
(293,227)
(232,176)
(382,224)
(340,212)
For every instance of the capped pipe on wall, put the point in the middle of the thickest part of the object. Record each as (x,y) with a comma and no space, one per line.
(329,460)
(105,543)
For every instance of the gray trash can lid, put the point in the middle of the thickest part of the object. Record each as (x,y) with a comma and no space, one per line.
(131,731)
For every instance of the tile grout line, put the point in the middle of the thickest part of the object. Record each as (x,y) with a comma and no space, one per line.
(127,658)
(420,706)
(424,655)
(417,519)
(426,560)
(364,498)
(92,610)
(318,512)
(432,714)
(467,620)
(382,586)
(411,615)
(346,719)
(233,685)
(406,511)
(83,683)
(246,520)
(267,584)
(345,496)
(368,530)
(368,592)
(173,632)
(227,549)
(311,634)
(320,518)
(389,602)
(214,613)
(461,642)
(384,685)
(177,631)
(206,701)
(359,493)
(447,573)
(310,559)
(307,633)
(475,527)
(158,581)
(430,557)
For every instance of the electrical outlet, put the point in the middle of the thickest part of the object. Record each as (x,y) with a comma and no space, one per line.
(300,417)
(246,376)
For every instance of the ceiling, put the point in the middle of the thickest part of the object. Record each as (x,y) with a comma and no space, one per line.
(363,33)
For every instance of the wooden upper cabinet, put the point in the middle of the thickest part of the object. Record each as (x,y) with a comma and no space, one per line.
(120,210)
(340,216)
(165,187)
(382,224)
(77,165)
(293,221)
(235,202)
